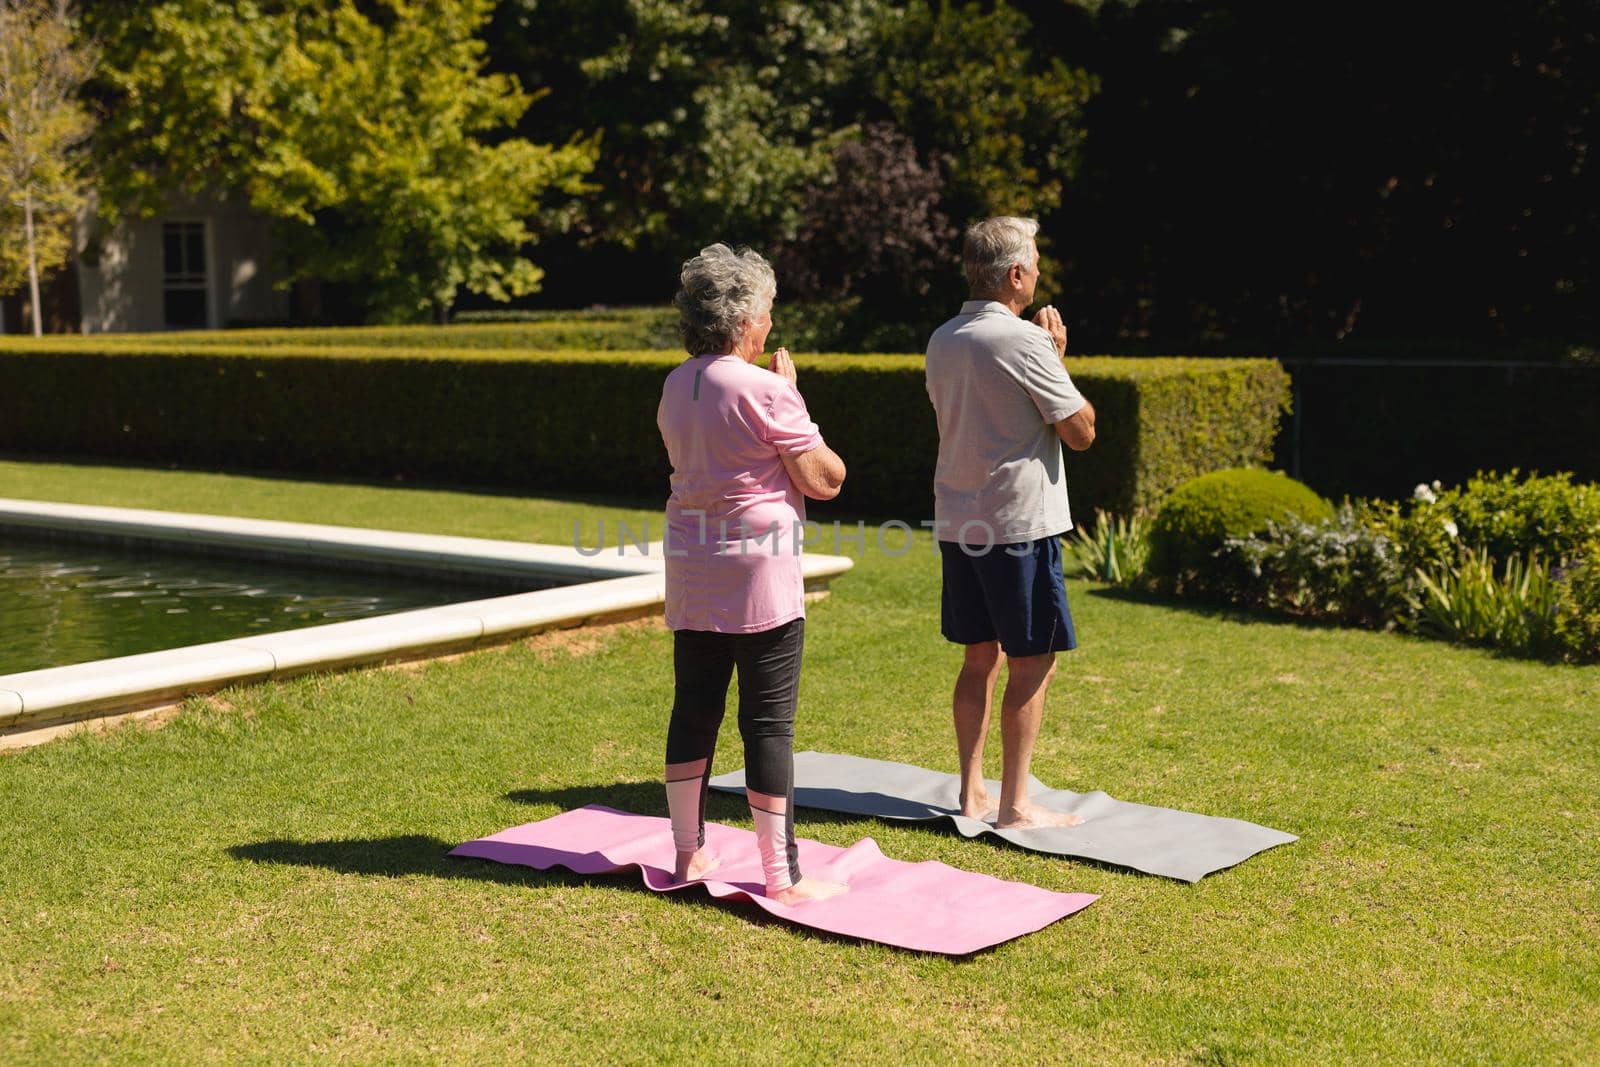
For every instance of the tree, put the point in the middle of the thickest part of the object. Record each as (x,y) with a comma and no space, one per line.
(722,117)
(715,114)
(370,132)
(966,83)
(871,231)
(42,67)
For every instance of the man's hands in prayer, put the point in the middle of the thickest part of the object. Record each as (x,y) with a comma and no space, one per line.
(1048,319)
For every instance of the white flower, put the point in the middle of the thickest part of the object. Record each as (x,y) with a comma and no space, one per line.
(1423,493)
(1436,485)
(1451,528)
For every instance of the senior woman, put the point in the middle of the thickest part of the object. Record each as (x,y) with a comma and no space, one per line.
(743,451)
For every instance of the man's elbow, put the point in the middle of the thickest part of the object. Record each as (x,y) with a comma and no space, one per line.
(1076,433)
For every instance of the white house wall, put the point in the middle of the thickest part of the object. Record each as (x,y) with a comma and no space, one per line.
(122,292)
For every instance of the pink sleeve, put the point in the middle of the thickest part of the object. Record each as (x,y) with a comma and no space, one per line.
(788,426)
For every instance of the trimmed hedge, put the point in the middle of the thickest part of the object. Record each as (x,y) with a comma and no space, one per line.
(582,331)
(850,325)
(583,422)
(1201,514)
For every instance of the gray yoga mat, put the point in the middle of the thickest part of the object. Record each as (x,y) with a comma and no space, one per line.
(1173,844)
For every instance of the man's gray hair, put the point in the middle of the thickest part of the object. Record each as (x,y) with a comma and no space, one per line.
(993,247)
(718,292)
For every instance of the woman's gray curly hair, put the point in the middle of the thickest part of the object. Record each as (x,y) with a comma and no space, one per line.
(718,292)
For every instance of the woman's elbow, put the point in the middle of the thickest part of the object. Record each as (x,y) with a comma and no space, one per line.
(829,486)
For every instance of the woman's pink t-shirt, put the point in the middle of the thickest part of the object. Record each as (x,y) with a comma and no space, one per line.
(732,564)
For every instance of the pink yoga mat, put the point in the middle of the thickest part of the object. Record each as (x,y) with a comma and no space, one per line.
(929,907)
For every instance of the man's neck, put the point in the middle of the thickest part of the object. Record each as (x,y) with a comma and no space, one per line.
(1006,300)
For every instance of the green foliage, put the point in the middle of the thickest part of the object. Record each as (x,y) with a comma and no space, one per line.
(870,234)
(592,314)
(557,421)
(1501,561)
(601,331)
(52,242)
(1578,614)
(804,328)
(1467,601)
(715,115)
(964,81)
(43,65)
(1508,514)
(375,138)
(1202,513)
(849,325)
(1115,550)
(1201,415)
(721,119)
(1338,568)
(1503,514)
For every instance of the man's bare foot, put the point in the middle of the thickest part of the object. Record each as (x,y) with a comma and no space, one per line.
(1033,817)
(809,889)
(693,866)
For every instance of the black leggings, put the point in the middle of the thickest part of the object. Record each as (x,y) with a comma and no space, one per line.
(769,687)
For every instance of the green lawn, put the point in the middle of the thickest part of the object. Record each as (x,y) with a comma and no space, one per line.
(264,878)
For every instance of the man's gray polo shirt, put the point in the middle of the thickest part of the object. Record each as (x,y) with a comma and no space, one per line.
(998,389)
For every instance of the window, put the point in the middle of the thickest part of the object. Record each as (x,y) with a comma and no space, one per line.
(183,275)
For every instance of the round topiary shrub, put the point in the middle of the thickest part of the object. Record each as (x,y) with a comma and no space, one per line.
(1201,513)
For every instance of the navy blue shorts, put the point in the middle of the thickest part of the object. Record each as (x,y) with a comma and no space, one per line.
(1013,594)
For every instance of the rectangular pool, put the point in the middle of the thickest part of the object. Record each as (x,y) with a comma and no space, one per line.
(64,602)
(365,600)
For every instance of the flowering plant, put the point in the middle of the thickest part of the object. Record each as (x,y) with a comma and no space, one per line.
(1339,568)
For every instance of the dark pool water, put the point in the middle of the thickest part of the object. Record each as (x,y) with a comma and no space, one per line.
(63,602)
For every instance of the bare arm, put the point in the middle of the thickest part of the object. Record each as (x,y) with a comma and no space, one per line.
(1077,429)
(818,473)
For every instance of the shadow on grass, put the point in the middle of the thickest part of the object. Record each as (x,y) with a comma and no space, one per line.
(648,798)
(419,854)
(1233,613)
(1211,609)
(393,857)
(641,798)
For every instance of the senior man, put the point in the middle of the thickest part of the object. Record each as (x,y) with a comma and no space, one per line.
(1005,404)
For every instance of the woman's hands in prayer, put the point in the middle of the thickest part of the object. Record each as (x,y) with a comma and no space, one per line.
(783,365)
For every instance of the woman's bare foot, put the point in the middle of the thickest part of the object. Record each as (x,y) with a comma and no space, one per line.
(1033,817)
(693,866)
(979,806)
(809,889)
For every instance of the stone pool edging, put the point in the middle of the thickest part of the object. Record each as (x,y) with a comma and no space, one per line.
(623,585)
